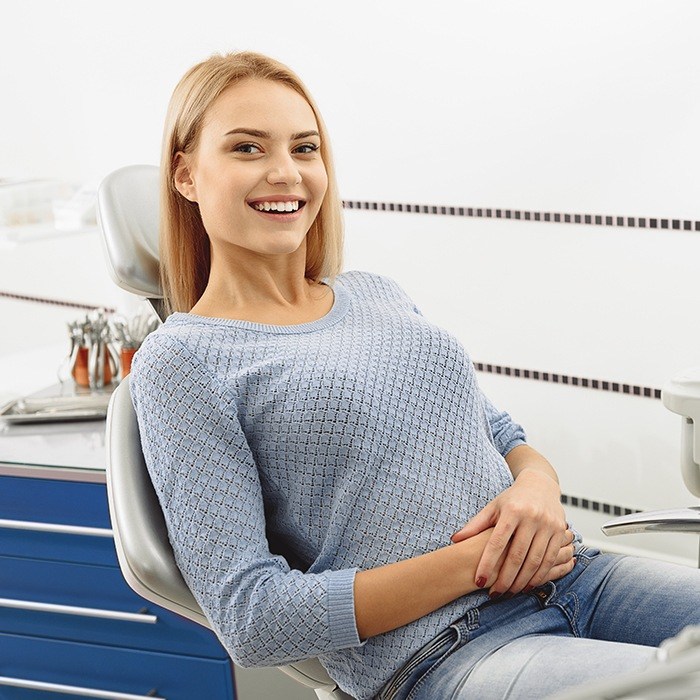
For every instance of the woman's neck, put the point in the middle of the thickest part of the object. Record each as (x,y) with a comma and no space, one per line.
(300,302)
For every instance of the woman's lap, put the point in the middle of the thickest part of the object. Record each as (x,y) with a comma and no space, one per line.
(537,667)
(601,619)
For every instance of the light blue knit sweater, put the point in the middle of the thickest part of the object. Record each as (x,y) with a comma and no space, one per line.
(288,457)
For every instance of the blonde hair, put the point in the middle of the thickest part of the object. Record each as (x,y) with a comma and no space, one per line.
(185,256)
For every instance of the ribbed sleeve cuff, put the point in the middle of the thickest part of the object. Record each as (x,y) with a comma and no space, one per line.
(341,609)
(505,448)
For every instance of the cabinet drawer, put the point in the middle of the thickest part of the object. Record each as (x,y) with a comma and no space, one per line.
(92,604)
(35,540)
(34,669)
(59,520)
(54,501)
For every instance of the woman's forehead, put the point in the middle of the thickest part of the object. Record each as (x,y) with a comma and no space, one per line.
(263,105)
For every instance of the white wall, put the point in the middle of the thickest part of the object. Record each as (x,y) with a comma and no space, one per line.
(540,106)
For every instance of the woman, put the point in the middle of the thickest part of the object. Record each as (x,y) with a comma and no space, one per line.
(333,480)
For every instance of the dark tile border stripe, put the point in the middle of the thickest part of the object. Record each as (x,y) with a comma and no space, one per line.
(584,382)
(523,215)
(54,302)
(597,506)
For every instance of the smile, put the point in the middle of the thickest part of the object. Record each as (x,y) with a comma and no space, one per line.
(281,207)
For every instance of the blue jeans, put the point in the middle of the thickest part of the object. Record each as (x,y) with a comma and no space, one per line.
(603,618)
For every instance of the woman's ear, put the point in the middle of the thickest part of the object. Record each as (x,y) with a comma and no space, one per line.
(182,177)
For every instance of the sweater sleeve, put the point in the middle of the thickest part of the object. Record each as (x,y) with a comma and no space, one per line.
(506,433)
(264,612)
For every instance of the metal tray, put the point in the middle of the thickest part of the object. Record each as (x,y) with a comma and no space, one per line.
(43,409)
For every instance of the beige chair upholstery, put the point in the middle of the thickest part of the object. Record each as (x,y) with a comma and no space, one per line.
(128,215)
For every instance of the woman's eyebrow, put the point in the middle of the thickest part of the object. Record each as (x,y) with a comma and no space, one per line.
(304,135)
(266,134)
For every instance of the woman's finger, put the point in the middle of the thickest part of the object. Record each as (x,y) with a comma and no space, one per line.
(555,556)
(541,557)
(495,547)
(518,551)
(567,550)
(561,570)
(531,576)
(563,555)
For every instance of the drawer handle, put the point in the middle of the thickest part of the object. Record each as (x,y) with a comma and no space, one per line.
(73,690)
(73,610)
(55,528)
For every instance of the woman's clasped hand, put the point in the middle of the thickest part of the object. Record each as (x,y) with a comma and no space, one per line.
(530,543)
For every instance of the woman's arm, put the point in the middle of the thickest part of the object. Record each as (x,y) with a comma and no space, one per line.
(393,595)
(396,594)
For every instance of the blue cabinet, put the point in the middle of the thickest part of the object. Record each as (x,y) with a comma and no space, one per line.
(69,624)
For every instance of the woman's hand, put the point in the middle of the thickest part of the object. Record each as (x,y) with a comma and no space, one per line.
(562,565)
(529,523)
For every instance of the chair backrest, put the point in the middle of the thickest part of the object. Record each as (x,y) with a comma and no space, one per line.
(140,535)
(127,204)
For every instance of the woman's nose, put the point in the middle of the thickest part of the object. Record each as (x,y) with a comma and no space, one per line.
(284,171)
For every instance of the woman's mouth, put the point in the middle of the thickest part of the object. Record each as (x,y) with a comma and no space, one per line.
(278,207)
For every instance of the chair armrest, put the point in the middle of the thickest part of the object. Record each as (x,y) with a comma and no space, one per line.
(678,520)
(312,674)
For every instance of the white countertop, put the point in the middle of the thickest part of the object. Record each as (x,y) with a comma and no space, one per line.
(62,450)
(71,445)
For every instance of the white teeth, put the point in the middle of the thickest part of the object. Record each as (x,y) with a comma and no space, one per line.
(276,206)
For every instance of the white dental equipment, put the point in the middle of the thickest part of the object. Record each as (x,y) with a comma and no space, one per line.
(680,395)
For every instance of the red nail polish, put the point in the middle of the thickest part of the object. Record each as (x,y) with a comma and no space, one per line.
(494,595)
(481,581)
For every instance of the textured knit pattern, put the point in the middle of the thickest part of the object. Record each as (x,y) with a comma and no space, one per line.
(288,457)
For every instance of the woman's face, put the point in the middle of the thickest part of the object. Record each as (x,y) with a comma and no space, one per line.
(257,172)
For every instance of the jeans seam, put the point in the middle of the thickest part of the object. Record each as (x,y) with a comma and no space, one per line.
(467,624)
(405,671)
(437,663)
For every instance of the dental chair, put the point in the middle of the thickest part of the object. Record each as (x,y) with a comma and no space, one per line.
(127,204)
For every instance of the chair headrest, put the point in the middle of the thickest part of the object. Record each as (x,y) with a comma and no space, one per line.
(128,215)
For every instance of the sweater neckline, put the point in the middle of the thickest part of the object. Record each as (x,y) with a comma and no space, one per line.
(341,303)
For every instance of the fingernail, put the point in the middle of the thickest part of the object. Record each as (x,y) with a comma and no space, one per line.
(527,589)
(508,596)
(481,581)
(495,595)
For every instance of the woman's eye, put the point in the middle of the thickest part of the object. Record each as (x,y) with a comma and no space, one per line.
(306,148)
(247,148)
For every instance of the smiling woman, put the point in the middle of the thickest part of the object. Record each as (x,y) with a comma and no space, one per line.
(242,136)
(259,191)
(318,445)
